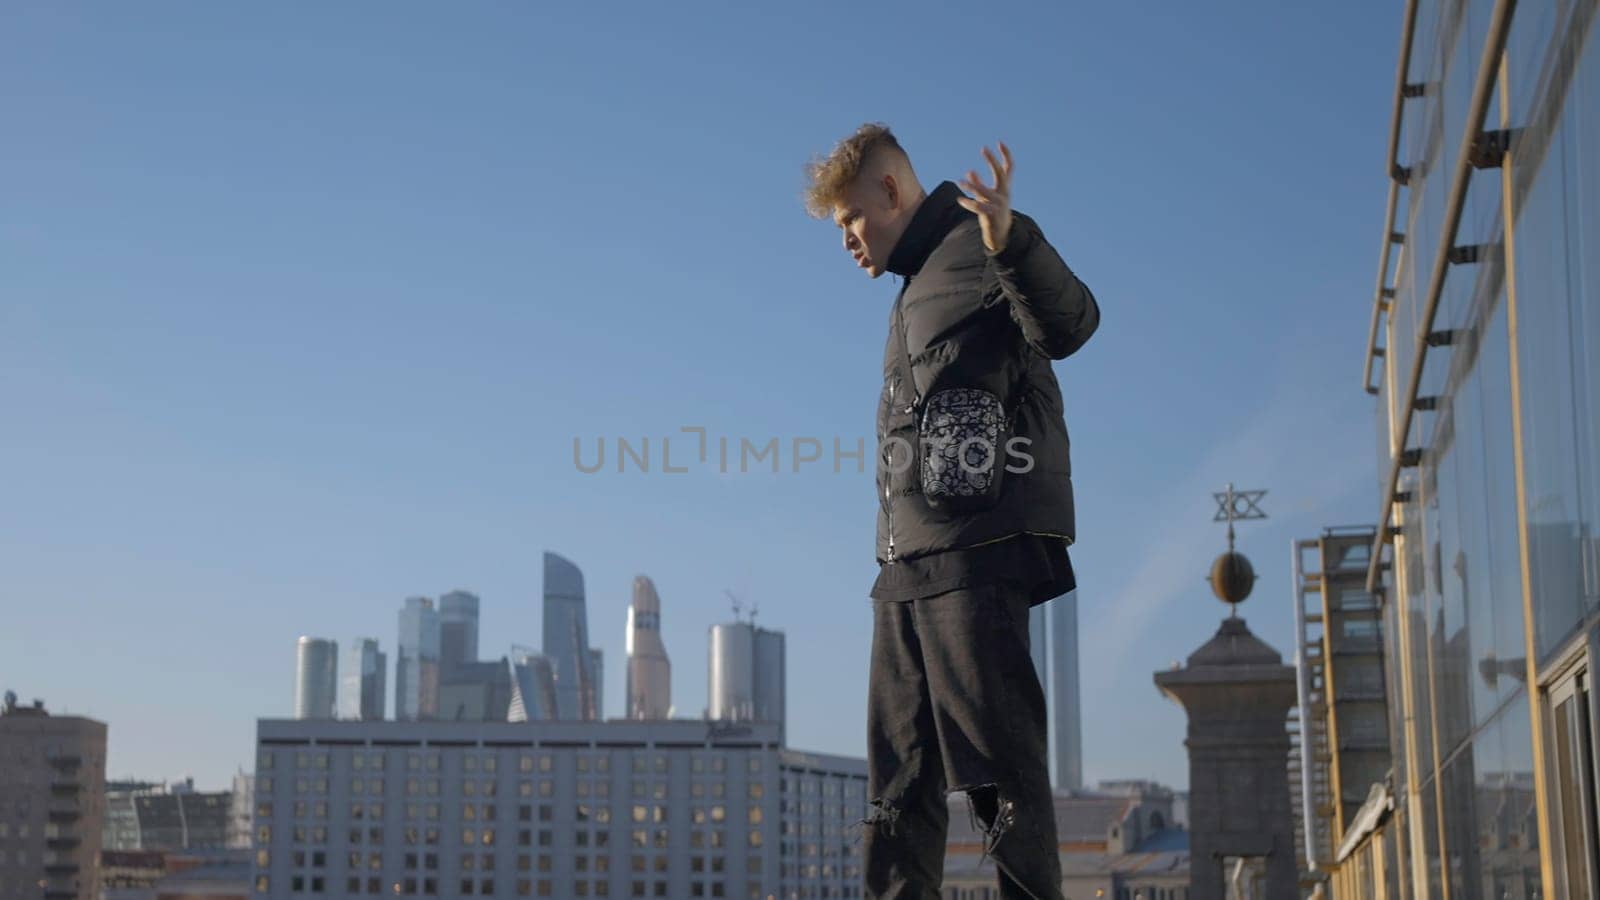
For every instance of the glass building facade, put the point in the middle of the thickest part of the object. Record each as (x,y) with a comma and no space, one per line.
(1486,363)
(416,670)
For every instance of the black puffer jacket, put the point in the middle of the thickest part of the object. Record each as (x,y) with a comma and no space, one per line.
(992,321)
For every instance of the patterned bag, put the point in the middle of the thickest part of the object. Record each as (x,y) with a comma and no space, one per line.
(961,437)
(963,432)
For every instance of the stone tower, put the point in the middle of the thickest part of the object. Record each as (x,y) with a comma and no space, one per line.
(1237,693)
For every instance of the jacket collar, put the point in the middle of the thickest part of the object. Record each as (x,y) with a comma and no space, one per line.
(934,218)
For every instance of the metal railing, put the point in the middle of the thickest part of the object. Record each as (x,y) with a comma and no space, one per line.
(1380,300)
(1482,91)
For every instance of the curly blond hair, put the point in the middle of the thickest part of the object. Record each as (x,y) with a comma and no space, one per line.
(829,177)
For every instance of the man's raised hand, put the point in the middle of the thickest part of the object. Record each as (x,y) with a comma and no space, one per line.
(992,204)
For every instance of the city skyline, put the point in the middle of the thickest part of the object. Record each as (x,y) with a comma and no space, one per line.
(332,319)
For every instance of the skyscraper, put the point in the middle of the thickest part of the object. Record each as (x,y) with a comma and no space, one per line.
(746,669)
(458,631)
(566,639)
(363,688)
(1066,716)
(533,687)
(316,678)
(416,669)
(649,672)
(1053,644)
(477,692)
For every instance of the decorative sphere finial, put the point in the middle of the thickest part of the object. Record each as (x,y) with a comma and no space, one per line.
(1232,576)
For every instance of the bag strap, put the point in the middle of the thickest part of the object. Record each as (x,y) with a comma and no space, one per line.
(905,344)
(1019,391)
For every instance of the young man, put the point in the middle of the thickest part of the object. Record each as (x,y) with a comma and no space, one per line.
(954,703)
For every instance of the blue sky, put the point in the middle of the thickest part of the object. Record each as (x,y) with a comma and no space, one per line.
(302,307)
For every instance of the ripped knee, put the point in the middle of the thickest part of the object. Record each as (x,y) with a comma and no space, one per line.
(996,812)
(884,816)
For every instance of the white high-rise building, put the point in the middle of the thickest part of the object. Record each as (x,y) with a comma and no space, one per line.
(649,672)
(316,678)
(746,674)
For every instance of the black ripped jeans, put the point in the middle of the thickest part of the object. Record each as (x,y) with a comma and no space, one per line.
(954,704)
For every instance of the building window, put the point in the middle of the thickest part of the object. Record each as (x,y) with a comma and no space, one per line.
(1573,792)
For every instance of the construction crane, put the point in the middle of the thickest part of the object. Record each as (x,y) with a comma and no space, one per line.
(739,605)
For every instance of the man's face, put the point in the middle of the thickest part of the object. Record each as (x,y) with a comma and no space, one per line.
(869,214)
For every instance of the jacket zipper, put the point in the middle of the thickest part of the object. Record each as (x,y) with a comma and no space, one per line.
(888,477)
(888,497)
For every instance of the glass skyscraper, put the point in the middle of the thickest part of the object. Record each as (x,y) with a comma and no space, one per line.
(458,631)
(362,689)
(566,640)
(416,668)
